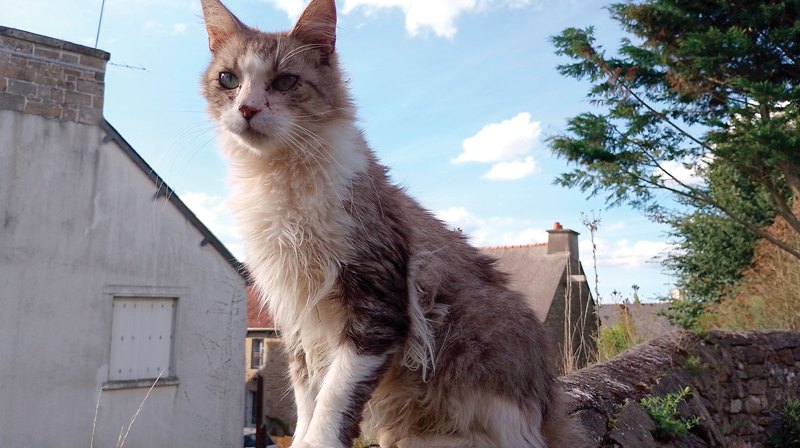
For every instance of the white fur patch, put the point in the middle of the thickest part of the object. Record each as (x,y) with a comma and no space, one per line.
(346,371)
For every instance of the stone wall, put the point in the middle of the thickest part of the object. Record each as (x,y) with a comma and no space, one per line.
(51,78)
(739,383)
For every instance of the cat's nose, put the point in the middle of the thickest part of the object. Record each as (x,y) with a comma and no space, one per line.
(248,111)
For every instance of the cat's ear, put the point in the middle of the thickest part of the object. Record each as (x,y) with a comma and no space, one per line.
(220,23)
(317,25)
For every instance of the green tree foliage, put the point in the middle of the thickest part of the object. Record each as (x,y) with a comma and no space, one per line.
(711,87)
(715,248)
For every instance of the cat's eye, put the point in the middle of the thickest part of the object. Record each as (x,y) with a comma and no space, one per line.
(228,80)
(284,82)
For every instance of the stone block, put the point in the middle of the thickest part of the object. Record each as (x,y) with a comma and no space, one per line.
(16,44)
(97,101)
(43,109)
(17,72)
(10,101)
(786,356)
(56,95)
(750,354)
(44,80)
(66,85)
(752,404)
(42,66)
(46,53)
(757,387)
(77,98)
(22,88)
(91,61)
(90,87)
(70,58)
(736,406)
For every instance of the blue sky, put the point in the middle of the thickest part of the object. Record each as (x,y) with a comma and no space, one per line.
(455,96)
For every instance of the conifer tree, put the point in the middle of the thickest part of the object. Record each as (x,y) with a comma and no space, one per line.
(710,88)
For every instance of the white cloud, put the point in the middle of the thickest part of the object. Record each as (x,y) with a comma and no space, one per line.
(495,231)
(621,254)
(511,170)
(214,213)
(292,7)
(506,143)
(501,142)
(436,15)
(691,175)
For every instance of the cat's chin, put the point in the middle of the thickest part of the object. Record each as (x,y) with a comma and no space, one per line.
(250,142)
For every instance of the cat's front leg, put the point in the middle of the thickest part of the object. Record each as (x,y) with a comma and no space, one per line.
(340,402)
(303,397)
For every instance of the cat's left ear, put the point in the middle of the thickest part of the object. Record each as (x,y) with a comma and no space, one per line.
(317,25)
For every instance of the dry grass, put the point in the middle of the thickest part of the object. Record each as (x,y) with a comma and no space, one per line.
(613,340)
(769,295)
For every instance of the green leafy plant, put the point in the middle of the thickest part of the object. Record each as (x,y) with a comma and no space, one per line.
(664,412)
(788,434)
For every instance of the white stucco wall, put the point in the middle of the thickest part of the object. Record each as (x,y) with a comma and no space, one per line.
(78,223)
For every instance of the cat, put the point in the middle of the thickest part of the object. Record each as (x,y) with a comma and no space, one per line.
(394,325)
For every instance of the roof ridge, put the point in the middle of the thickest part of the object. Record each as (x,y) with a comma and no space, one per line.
(519,246)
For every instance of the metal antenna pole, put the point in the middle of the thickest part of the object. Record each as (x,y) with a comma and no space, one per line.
(99,22)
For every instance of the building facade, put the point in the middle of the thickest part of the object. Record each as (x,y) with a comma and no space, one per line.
(118,307)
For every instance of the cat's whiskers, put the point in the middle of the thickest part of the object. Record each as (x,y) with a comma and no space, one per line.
(299,50)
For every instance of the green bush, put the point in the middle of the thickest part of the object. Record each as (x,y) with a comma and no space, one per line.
(616,339)
(664,412)
(788,434)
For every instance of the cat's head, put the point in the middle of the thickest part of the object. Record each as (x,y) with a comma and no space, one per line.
(274,90)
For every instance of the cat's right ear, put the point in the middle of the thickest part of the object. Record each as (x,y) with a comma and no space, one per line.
(220,23)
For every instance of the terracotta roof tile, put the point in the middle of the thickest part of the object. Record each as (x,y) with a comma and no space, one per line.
(257,317)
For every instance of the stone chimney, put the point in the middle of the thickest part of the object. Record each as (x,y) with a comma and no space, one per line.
(560,240)
(50,77)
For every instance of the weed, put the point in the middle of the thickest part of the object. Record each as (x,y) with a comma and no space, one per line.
(788,433)
(664,412)
(615,339)
(694,366)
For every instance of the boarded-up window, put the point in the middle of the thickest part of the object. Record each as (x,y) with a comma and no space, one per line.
(142,338)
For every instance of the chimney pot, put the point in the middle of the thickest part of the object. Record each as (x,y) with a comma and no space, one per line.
(557,226)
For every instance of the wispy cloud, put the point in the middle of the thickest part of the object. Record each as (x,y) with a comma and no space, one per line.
(506,143)
(686,173)
(160,28)
(436,15)
(495,231)
(214,213)
(623,254)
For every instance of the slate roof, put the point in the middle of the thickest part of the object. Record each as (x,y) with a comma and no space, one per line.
(533,272)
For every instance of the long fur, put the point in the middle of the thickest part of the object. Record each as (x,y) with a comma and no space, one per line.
(395,326)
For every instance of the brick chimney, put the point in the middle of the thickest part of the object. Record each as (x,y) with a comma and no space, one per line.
(560,240)
(50,77)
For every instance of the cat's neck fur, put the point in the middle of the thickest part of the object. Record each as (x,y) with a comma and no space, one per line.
(288,204)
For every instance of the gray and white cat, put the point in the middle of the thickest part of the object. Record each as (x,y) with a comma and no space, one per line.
(394,325)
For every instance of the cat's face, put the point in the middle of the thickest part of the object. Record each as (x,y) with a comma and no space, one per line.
(273,90)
